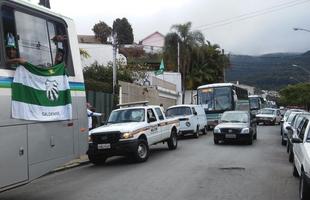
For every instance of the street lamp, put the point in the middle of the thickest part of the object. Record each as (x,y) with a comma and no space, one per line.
(301,29)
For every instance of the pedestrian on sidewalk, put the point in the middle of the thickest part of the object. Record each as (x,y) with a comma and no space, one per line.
(90,114)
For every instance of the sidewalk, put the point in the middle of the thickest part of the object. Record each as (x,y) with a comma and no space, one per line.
(83,160)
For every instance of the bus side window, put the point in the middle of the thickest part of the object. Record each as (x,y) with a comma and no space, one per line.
(34,37)
(9,36)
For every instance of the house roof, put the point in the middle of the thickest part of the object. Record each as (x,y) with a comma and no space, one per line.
(89,39)
(155,33)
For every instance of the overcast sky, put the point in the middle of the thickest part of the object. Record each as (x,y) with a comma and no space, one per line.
(233,26)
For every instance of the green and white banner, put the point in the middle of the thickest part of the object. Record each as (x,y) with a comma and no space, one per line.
(41,94)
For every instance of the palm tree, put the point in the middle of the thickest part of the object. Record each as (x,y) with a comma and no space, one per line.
(188,40)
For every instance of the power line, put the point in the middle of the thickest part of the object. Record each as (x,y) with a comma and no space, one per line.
(252,14)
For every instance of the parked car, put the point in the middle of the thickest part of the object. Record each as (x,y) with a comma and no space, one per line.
(301,164)
(287,123)
(130,131)
(285,116)
(192,119)
(269,116)
(293,129)
(235,125)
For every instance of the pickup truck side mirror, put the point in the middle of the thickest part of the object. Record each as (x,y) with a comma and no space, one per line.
(195,113)
(296,140)
(151,119)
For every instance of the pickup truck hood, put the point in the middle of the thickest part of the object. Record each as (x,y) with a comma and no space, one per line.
(265,115)
(232,125)
(122,127)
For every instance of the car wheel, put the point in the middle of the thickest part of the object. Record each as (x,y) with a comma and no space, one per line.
(290,156)
(196,134)
(96,160)
(205,130)
(287,147)
(255,136)
(142,151)
(295,172)
(304,192)
(250,141)
(216,141)
(283,142)
(173,140)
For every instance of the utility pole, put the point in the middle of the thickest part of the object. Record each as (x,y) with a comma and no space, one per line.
(114,43)
(178,57)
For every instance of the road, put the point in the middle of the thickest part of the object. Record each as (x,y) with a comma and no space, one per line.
(198,169)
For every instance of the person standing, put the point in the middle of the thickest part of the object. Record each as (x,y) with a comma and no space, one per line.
(90,115)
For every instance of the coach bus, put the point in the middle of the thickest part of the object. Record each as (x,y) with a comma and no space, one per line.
(219,97)
(28,148)
(257,102)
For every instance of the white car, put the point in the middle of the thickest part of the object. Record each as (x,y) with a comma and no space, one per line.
(301,164)
(130,131)
(192,118)
(286,124)
(269,116)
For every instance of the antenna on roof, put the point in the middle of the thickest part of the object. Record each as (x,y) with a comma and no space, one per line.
(142,103)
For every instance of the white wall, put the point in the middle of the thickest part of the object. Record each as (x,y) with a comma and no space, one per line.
(102,53)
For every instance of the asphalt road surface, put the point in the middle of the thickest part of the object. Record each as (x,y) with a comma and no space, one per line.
(198,169)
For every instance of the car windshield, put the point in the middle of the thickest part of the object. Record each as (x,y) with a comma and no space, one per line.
(267,112)
(178,111)
(234,117)
(127,115)
(291,117)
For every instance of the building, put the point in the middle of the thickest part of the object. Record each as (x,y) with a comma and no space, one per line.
(153,43)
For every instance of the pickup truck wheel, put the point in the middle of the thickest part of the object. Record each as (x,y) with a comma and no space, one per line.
(142,152)
(173,140)
(304,192)
(96,160)
(283,142)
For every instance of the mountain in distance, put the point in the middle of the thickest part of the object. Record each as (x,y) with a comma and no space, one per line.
(269,71)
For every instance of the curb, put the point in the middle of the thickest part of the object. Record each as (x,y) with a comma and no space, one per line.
(70,166)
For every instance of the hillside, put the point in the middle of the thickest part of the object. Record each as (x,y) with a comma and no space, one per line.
(269,71)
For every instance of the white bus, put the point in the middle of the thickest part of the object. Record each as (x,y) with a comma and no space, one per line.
(30,149)
(219,97)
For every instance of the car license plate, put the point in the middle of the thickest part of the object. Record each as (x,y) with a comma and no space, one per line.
(104,146)
(231,136)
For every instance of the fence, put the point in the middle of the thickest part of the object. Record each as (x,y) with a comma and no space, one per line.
(102,102)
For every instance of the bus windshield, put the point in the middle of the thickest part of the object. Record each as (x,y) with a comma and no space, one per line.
(216,99)
(254,103)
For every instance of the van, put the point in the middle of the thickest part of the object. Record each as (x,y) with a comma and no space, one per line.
(192,119)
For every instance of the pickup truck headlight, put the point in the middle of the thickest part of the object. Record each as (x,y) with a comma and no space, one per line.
(216,130)
(127,135)
(245,130)
(90,140)
(188,124)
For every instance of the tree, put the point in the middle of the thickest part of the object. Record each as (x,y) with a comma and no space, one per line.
(102,31)
(296,95)
(123,30)
(188,40)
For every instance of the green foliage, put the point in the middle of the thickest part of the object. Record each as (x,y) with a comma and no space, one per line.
(124,31)
(200,62)
(84,53)
(296,95)
(99,78)
(102,31)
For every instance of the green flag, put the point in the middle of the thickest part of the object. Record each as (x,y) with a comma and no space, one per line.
(161,68)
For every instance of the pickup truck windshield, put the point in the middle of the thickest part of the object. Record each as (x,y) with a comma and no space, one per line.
(127,115)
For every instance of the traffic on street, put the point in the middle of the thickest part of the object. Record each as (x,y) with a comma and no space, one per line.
(197,169)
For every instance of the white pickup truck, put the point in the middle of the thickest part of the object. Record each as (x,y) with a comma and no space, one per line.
(130,131)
